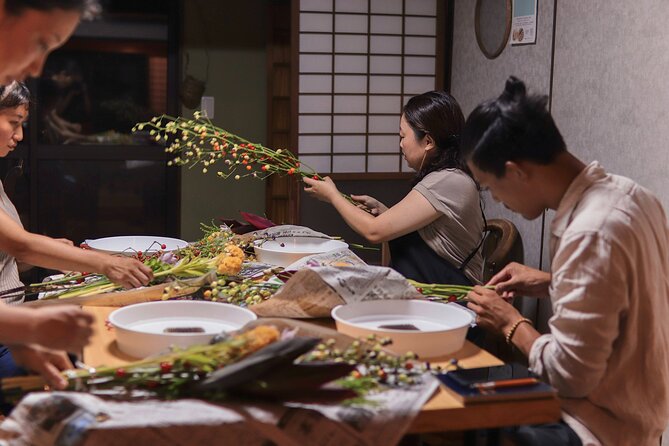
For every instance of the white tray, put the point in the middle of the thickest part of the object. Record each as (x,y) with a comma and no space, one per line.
(283,251)
(131,244)
(149,328)
(440,328)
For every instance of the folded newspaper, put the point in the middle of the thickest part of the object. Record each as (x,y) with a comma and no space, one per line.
(313,292)
(80,419)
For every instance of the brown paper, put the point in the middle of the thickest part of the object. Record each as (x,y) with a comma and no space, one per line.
(305,295)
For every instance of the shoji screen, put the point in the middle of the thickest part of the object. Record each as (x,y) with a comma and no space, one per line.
(359,62)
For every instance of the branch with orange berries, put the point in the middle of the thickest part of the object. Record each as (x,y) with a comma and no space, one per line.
(197,142)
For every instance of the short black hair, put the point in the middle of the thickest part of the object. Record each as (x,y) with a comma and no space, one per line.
(438,114)
(89,9)
(14,95)
(514,127)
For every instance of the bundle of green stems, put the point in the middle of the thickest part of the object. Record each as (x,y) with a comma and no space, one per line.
(444,292)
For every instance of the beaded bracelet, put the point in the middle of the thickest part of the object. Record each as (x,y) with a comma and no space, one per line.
(512,330)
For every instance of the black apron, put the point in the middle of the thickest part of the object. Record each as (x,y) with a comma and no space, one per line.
(414,259)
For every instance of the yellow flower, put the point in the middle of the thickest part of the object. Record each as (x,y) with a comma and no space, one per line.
(234,251)
(229,266)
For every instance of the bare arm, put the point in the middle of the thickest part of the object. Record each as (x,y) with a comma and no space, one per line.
(63,327)
(410,214)
(46,252)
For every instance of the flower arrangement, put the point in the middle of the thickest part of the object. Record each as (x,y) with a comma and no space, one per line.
(218,251)
(169,376)
(198,141)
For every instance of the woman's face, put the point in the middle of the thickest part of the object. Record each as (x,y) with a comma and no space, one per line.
(28,38)
(11,128)
(415,151)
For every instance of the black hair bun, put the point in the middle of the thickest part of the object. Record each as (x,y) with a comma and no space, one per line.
(514,90)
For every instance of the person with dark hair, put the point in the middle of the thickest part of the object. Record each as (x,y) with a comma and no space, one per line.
(435,232)
(31,29)
(67,328)
(607,352)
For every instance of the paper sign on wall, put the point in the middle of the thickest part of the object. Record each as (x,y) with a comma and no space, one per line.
(524,24)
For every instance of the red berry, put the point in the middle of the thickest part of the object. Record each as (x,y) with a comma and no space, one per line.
(120,373)
(408,366)
(165,367)
(315,177)
(163,246)
(452,298)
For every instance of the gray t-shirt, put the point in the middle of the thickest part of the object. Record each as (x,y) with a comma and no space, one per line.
(456,233)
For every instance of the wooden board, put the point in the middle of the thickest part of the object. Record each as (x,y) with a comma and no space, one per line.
(114,299)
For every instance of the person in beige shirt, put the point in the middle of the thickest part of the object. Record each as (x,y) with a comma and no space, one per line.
(607,353)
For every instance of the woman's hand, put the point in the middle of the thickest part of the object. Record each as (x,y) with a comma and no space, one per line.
(493,313)
(62,327)
(324,190)
(375,206)
(48,363)
(520,280)
(127,272)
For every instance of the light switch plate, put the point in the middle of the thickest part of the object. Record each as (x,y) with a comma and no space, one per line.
(207,106)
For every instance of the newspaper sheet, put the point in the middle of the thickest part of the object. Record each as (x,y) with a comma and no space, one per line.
(77,419)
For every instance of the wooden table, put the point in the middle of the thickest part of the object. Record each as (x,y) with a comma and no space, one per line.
(441,413)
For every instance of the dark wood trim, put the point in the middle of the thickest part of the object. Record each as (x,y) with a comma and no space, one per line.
(101,45)
(441,31)
(448,43)
(385,14)
(342,33)
(402,75)
(32,157)
(321,53)
(173,174)
(99,152)
(355,176)
(343,134)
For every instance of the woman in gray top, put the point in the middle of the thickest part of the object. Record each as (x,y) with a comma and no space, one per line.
(435,232)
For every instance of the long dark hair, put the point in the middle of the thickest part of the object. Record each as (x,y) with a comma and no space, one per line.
(438,114)
(14,95)
(515,126)
(88,9)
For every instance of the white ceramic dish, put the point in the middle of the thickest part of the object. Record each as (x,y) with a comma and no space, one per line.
(131,244)
(149,328)
(429,329)
(283,251)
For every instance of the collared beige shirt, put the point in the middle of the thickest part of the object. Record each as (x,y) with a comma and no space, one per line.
(608,350)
